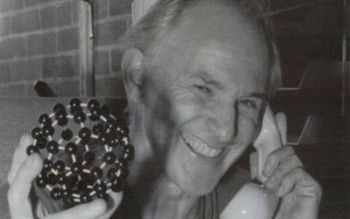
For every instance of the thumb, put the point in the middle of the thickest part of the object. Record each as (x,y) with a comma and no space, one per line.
(18,193)
(19,157)
(96,209)
(27,172)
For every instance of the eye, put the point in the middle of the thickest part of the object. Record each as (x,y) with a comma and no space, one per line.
(250,103)
(203,89)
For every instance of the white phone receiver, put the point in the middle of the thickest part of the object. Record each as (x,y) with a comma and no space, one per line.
(253,201)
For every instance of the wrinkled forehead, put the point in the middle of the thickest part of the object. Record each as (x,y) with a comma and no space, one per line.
(216,37)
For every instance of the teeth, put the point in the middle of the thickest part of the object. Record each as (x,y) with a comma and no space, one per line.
(200,147)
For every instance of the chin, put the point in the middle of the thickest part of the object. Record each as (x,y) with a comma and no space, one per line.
(192,175)
(195,173)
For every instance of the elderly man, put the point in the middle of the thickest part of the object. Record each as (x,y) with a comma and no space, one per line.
(196,74)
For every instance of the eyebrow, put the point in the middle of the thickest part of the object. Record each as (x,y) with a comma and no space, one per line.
(208,79)
(262,96)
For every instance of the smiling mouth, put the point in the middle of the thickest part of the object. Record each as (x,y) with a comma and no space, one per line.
(199,147)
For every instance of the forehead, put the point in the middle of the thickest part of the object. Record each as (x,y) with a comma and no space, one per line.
(215,39)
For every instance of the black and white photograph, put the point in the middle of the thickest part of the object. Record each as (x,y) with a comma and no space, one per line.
(174,109)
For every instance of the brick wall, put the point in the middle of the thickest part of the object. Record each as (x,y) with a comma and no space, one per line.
(39,39)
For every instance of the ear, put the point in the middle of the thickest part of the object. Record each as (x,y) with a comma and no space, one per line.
(132,73)
(268,140)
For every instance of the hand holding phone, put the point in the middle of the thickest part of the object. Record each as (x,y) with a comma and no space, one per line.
(282,175)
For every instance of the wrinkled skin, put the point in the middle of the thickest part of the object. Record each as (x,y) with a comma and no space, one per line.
(204,84)
(199,93)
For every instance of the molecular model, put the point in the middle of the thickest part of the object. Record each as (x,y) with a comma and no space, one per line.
(90,157)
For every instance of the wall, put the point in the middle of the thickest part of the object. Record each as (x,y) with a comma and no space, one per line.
(39,39)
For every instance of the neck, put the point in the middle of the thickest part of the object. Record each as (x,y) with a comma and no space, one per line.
(157,195)
(167,200)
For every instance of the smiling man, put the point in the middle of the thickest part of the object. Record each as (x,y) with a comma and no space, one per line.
(197,74)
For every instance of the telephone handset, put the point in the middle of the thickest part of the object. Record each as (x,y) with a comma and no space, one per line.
(253,201)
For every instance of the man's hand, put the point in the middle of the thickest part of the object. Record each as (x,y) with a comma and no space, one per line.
(300,193)
(23,171)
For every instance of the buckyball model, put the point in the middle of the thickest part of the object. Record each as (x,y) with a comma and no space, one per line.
(85,149)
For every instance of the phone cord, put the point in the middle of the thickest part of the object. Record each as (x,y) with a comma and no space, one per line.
(209,206)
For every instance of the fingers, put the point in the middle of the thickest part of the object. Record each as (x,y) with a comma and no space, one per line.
(289,164)
(290,181)
(304,184)
(91,210)
(253,159)
(274,159)
(95,209)
(285,174)
(19,157)
(309,188)
(20,187)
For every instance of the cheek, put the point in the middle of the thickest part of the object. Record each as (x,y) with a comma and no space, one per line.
(185,107)
(164,114)
(246,135)
(158,122)
(183,113)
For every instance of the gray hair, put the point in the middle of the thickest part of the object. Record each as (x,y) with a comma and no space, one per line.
(164,15)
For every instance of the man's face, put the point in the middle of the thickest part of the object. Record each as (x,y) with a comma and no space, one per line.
(202,97)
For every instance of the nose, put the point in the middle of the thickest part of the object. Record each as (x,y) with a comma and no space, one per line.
(222,123)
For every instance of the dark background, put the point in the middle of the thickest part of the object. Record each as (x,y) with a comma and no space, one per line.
(310,42)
